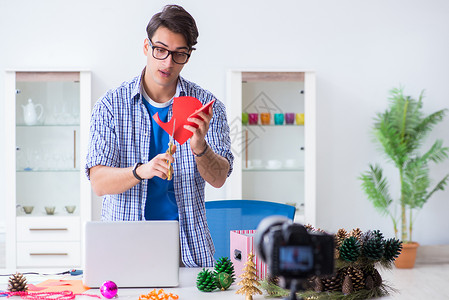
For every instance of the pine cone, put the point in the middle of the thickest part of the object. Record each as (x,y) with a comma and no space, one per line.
(205,281)
(17,283)
(318,284)
(369,282)
(357,278)
(350,249)
(393,248)
(347,287)
(309,227)
(357,233)
(224,264)
(374,248)
(333,283)
(377,278)
(339,237)
(378,234)
(371,272)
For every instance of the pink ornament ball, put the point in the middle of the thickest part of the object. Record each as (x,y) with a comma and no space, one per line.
(109,289)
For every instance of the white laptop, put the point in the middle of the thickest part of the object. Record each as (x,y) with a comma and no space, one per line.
(132,254)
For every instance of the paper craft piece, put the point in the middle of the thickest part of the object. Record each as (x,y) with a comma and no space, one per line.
(54,285)
(33,288)
(183,108)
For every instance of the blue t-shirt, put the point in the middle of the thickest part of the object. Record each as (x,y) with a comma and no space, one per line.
(161,201)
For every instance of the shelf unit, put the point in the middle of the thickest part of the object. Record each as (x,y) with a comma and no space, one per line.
(274,162)
(44,167)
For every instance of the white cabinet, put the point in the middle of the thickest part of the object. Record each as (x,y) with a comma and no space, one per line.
(49,196)
(274,160)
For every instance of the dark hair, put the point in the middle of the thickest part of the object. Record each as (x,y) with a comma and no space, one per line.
(176,19)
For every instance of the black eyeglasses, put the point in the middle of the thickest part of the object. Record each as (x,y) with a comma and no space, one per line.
(162,53)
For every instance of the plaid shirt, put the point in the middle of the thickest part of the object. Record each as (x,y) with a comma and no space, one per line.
(120,137)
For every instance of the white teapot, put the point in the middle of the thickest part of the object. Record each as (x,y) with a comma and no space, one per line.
(29,112)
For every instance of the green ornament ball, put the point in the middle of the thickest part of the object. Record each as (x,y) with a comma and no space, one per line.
(224,281)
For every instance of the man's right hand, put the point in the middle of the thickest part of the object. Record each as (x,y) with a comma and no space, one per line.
(109,180)
(158,166)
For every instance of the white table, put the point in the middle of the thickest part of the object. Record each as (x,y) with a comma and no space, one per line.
(186,290)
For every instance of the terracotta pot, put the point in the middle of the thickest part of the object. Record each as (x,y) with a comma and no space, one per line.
(406,260)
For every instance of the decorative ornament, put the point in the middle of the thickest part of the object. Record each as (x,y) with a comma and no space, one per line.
(249,280)
(224,264)
(108,289)
(350,249)
(205,281)
(17,283)
(159,295)
(223,280)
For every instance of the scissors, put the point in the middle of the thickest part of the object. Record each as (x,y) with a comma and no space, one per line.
(169,151)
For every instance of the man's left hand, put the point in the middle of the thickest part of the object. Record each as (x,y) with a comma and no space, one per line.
(197,141)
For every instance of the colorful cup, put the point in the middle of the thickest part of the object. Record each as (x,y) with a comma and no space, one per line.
(289,118)
(244,118)
(253,118)
(299,119)
(265,118)
(278,119)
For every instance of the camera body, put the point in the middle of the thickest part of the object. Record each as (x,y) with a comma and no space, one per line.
(291,252)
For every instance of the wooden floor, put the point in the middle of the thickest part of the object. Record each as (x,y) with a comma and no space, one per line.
(425,281)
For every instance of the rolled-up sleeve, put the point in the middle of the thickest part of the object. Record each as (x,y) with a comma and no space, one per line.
(102,149)
(218,136)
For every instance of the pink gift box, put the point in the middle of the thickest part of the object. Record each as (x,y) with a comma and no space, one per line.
(242,243)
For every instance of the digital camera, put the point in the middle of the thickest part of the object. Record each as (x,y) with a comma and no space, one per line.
(291,252)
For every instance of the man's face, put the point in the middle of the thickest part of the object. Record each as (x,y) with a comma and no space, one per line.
(164,73)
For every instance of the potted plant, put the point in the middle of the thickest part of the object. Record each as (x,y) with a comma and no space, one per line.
(401,131)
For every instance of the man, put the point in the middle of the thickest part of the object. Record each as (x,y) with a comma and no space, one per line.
(127,159)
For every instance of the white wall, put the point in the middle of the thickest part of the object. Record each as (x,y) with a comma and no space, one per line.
(359,50)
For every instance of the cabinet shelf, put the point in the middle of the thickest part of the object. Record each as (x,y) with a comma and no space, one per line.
(47,125)
(273,170)
(273,125)
(49,171)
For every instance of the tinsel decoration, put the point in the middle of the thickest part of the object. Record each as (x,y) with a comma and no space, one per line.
(205,281)
(358,254)
(224,264)
(17,283)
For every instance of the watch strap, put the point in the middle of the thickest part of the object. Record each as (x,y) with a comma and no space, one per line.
(135,173)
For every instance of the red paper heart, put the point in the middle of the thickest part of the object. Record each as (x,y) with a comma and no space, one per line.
(183,108)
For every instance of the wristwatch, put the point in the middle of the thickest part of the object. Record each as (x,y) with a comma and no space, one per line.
(135,173)
(202,153)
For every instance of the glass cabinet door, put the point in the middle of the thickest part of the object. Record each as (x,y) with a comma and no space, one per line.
(47,143)
(273,151)
(272,117)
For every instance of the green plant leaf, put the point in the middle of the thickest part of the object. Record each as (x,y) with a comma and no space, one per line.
(376,188)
